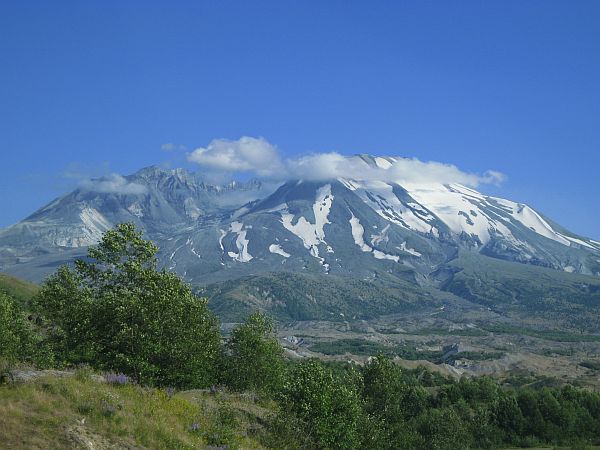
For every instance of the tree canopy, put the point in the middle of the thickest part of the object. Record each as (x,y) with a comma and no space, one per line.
(117,311)
(17,338)
(255,357)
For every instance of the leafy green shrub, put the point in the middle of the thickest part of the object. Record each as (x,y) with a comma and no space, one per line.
(18,341)
(255,357)
(387,393)
(116,311)
(328,407)
(392,402)
(443,429)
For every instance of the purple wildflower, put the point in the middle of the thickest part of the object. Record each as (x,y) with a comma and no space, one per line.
(116,378)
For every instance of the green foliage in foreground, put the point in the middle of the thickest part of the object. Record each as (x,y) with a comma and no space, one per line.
(328,408)
(17,338)
(254,360)
(77,412)
(117,312)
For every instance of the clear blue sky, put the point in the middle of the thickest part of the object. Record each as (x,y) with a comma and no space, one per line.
(97,86)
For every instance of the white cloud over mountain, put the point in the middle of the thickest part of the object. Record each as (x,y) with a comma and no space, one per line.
(247,154)
(258,156)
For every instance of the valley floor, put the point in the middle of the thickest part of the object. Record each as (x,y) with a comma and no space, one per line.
(456,341)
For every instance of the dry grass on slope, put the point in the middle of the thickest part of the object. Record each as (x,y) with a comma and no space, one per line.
(76,412)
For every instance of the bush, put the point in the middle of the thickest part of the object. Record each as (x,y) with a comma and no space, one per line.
(18,341)
(392,402)
(443,430)
(117,312)
(255,357)
(329,408)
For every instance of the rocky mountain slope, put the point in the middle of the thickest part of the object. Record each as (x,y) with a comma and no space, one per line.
(373,230)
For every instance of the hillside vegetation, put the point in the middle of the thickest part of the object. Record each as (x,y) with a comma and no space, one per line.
(158,374)
(72,412)
(573,300)
(18,289)
(289,296)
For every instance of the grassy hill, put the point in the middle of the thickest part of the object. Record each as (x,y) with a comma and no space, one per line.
(18,289)
(78,411)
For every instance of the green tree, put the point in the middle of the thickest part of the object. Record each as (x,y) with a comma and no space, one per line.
(443,429)
(17,338)
(255,357)
(118,312)
(392,401)
(65,303)
(508,416)
(533,421)
(328,407)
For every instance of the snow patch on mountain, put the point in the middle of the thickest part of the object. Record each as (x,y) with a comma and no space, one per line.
(241,243)
(312,235)
(190,243)
(579,242)
(349,184)
(222,234)
(460,211)
(276,248)
(358,235)
(531,219)
(406,249)
(376,239)
(380,196)
(383,162)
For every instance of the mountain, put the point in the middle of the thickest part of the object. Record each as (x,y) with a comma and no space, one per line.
(377,232)
(367,228)
(160,201)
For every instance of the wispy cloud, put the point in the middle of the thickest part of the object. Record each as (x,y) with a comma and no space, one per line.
(258,156)
(100,178)
(113,183)
(170,147)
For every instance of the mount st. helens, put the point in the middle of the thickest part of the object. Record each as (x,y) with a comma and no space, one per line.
(372,231)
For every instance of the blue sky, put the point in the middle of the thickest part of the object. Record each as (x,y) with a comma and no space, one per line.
(93,87)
